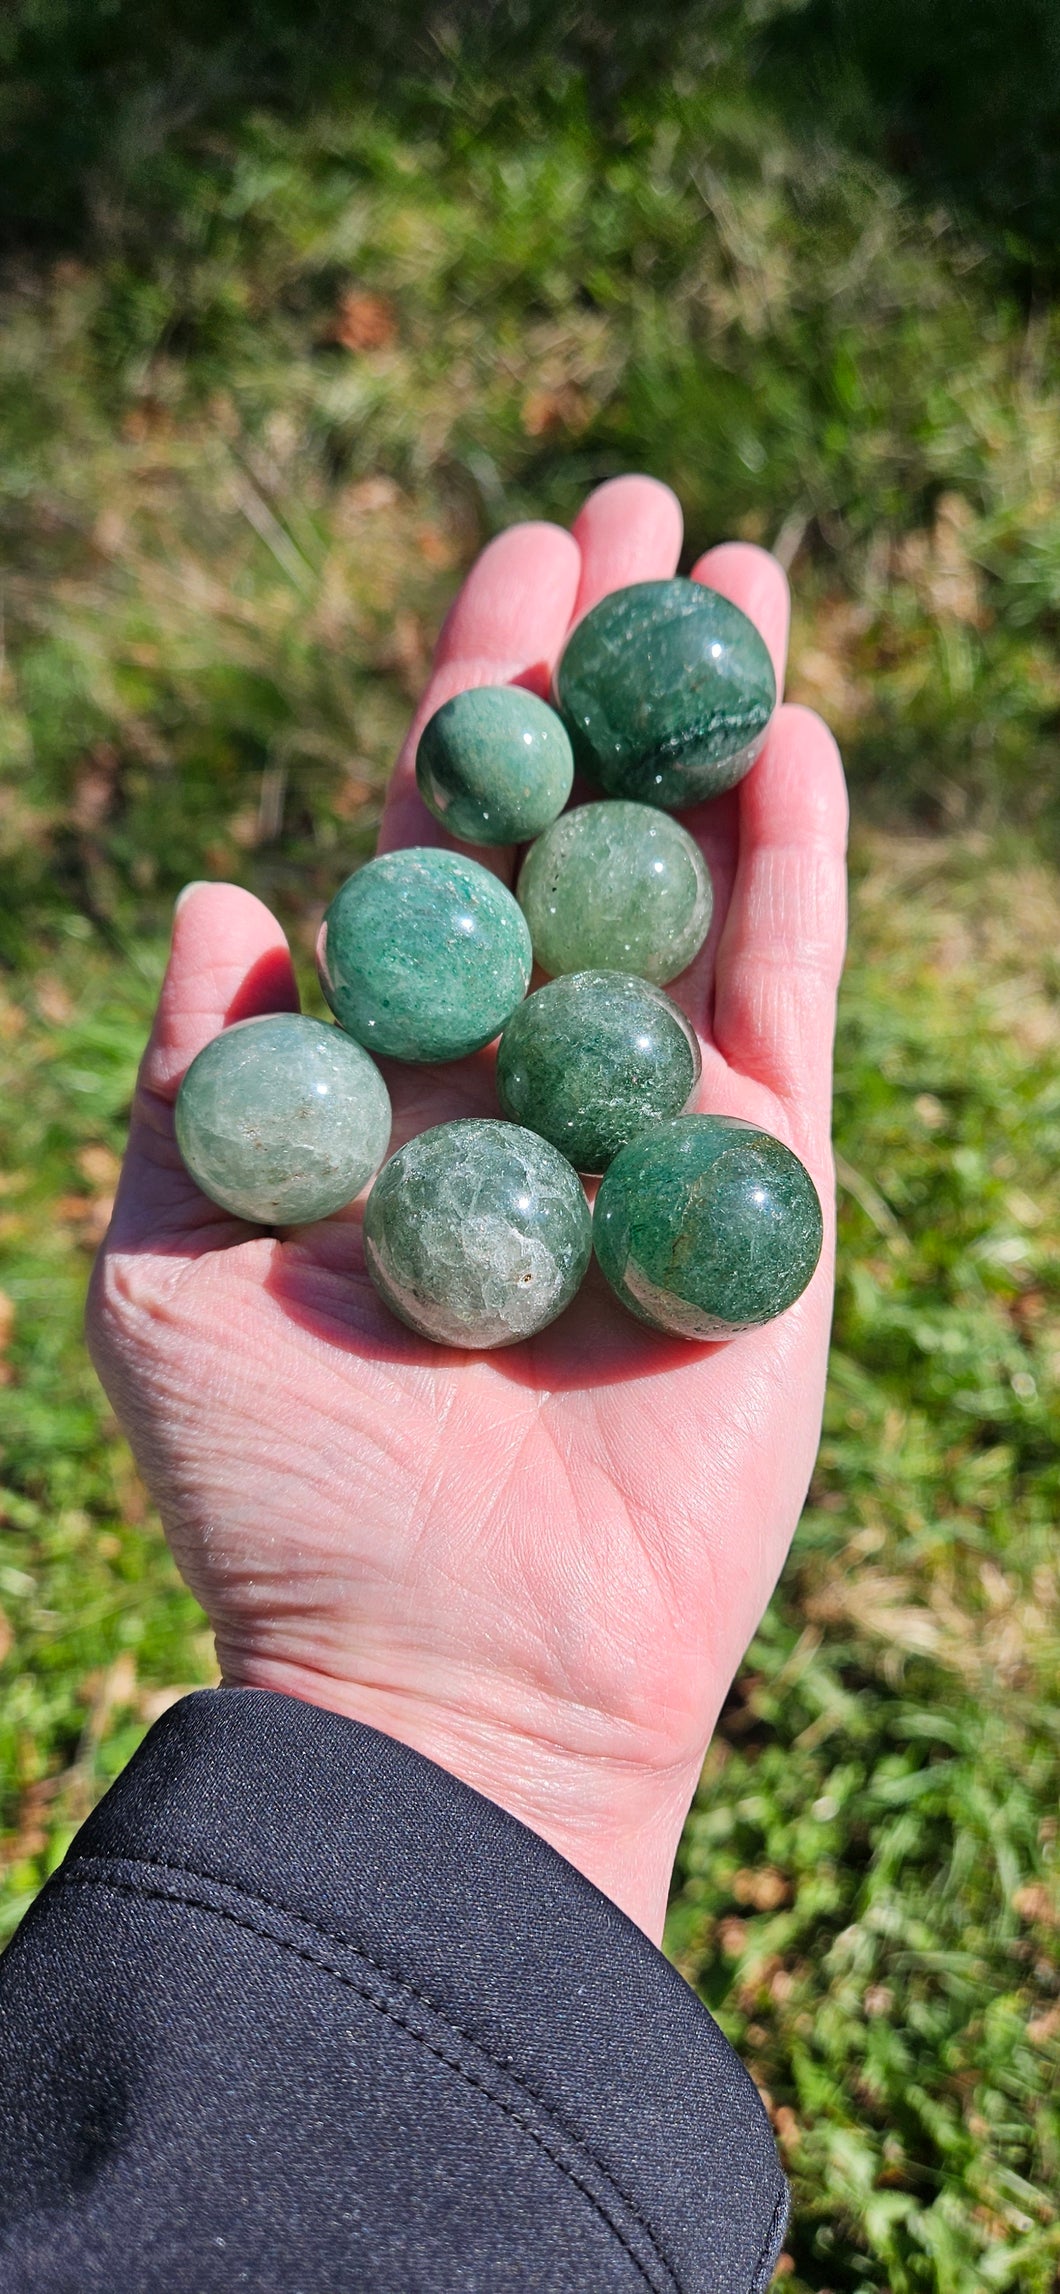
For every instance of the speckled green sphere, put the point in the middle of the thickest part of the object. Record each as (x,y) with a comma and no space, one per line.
(495,765)
(282,1119)
(706,1226)
(666,691)
(477,1233)
(593,1060)
(616,887)
(423,955)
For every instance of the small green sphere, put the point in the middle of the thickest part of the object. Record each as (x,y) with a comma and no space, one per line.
(494,765)
(282,1119)
(706,1226)
(616,887)
(423,955)
(666,690)
(477,1233)
(593,1060)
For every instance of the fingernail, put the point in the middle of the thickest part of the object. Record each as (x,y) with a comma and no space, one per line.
(196,885)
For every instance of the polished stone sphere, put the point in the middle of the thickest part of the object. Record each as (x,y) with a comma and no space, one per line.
(616,887)
(706,1226)
(477,1233)
(423,955)
(282,1119)
(592,1060)
(666,690)
(494,765)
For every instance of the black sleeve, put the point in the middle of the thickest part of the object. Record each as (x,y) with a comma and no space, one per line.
(301,2013)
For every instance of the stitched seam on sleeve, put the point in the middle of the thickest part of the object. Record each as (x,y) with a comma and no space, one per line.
(764,2265)
(390,1973)
(392,2010)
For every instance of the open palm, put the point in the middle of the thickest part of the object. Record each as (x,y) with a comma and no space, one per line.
(539,1566)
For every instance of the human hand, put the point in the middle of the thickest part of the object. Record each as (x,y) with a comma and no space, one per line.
(540,1566)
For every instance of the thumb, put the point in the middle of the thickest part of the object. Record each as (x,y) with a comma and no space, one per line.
(229,960)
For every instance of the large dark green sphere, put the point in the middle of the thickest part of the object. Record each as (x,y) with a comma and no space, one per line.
(666,690)
(494,765)
(707,1226)
(423,955)
(477,1233)
(592,1060)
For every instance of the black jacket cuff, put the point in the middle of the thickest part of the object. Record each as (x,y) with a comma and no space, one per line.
(300,2011)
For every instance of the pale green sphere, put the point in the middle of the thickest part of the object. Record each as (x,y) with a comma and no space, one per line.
(282,1119)
(616,887)
(477,1233)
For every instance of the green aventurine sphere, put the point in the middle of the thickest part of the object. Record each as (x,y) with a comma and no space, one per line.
(494,765)
(282,1119)
(423,955)
(477,1233)
(666,690)
(592,1060)
(616,887)
(706,1226)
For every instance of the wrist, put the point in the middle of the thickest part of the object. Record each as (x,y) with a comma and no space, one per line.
(617,1820)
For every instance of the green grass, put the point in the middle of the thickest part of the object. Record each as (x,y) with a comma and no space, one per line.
(93,1619)
(269,373)
(249,434)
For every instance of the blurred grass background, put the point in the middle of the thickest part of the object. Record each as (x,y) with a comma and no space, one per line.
(293,317)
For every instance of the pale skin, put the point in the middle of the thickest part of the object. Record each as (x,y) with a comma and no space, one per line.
(540,1566)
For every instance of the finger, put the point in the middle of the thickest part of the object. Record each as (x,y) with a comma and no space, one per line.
(505,628)
(781,949)
(228,961)
(629,530)
(754,580)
